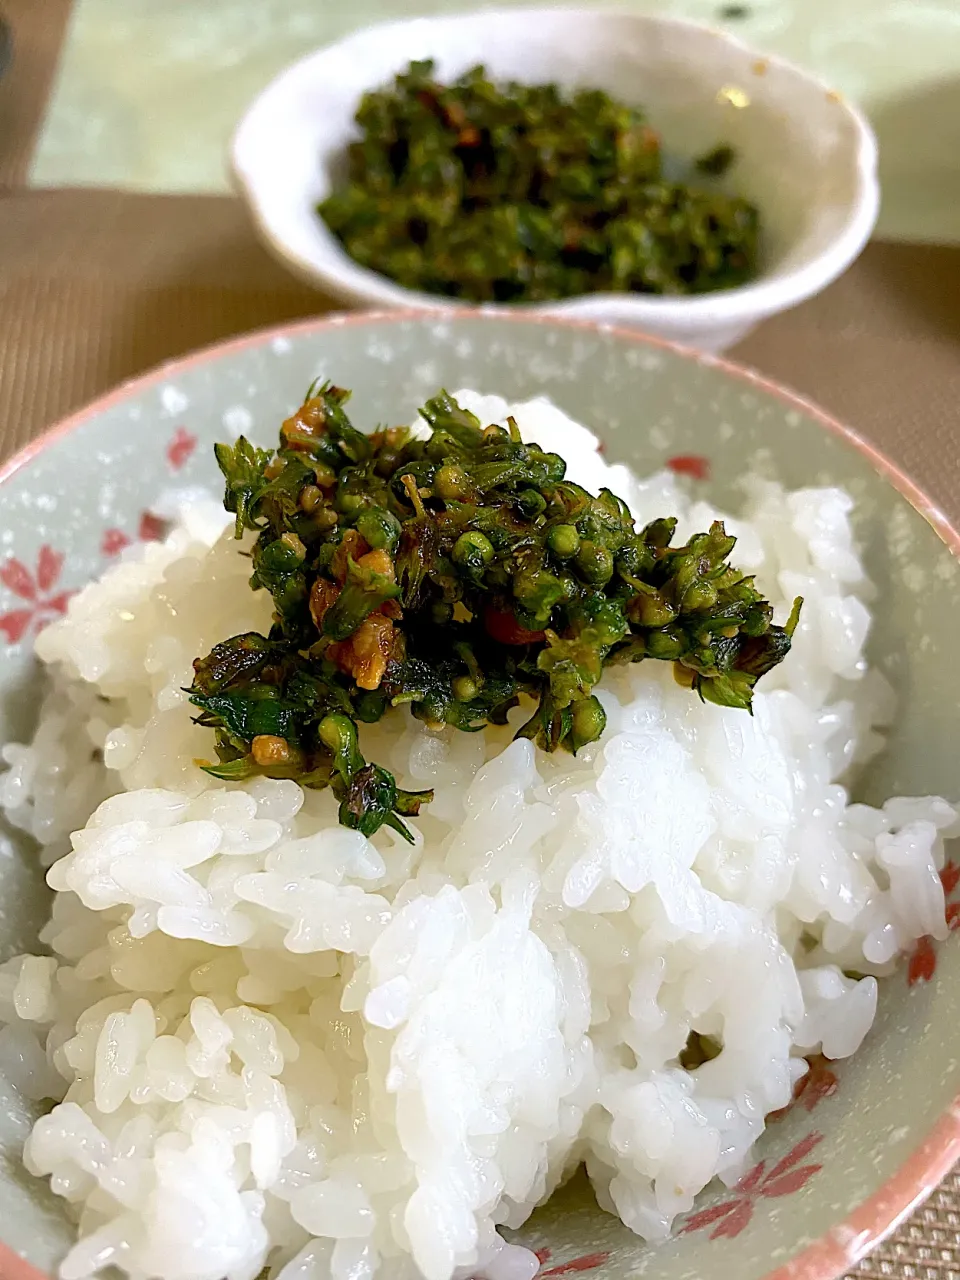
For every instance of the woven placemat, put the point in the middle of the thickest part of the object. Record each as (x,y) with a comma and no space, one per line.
(96,286)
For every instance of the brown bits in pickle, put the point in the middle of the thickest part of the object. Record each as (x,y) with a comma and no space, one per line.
(322,596)
(301,429)
(365,654)
(378,561)
(352,547)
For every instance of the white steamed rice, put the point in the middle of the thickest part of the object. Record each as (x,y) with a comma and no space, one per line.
(272,1041)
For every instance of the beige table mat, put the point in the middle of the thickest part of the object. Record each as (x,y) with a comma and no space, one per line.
(96,286)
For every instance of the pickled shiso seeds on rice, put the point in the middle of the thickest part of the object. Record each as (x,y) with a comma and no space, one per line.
(272,1041)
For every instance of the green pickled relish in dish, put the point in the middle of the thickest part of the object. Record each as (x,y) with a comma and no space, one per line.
(524,193)
(459,576)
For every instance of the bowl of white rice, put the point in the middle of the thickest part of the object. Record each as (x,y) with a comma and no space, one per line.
(238,1038)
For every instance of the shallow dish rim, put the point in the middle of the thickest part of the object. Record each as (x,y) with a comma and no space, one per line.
(750,302)
(847,1241)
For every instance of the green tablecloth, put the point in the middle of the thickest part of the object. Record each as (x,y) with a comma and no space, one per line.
(130,109)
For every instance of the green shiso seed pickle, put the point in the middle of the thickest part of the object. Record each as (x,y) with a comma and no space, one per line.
(524,193)
(458,576)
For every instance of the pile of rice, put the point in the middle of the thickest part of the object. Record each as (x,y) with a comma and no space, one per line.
(272,1041)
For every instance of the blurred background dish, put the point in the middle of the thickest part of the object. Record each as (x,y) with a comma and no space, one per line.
(805,157)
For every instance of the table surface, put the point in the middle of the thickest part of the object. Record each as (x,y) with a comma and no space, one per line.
(129,109)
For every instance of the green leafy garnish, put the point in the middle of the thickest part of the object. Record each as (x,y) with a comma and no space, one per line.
(457,576)
(524,193)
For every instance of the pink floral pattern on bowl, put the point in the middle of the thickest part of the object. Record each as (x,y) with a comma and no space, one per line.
(788,1175)
(34,587)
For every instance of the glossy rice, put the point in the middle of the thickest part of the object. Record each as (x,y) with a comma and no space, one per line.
(272,1041)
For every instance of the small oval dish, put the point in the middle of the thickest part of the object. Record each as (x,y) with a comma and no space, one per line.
(805,157)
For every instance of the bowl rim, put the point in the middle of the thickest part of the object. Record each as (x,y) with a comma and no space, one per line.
(847,1241)
(349,281)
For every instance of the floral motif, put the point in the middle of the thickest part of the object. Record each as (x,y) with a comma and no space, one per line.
(113,542)
(819,1082)
(950,877)
(923,958)
(587,1262)
(150,529)
(34,587)
(690,464)
(923,962)
(180,448)
(730,1217)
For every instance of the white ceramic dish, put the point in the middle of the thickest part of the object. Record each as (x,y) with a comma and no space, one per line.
(806,157)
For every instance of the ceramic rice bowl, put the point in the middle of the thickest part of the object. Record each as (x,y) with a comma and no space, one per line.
(862,1142)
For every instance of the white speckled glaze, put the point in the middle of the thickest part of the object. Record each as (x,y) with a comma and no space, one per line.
(805,157)
(858,1148)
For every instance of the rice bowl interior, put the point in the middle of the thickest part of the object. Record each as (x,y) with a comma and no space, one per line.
(270,1041)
